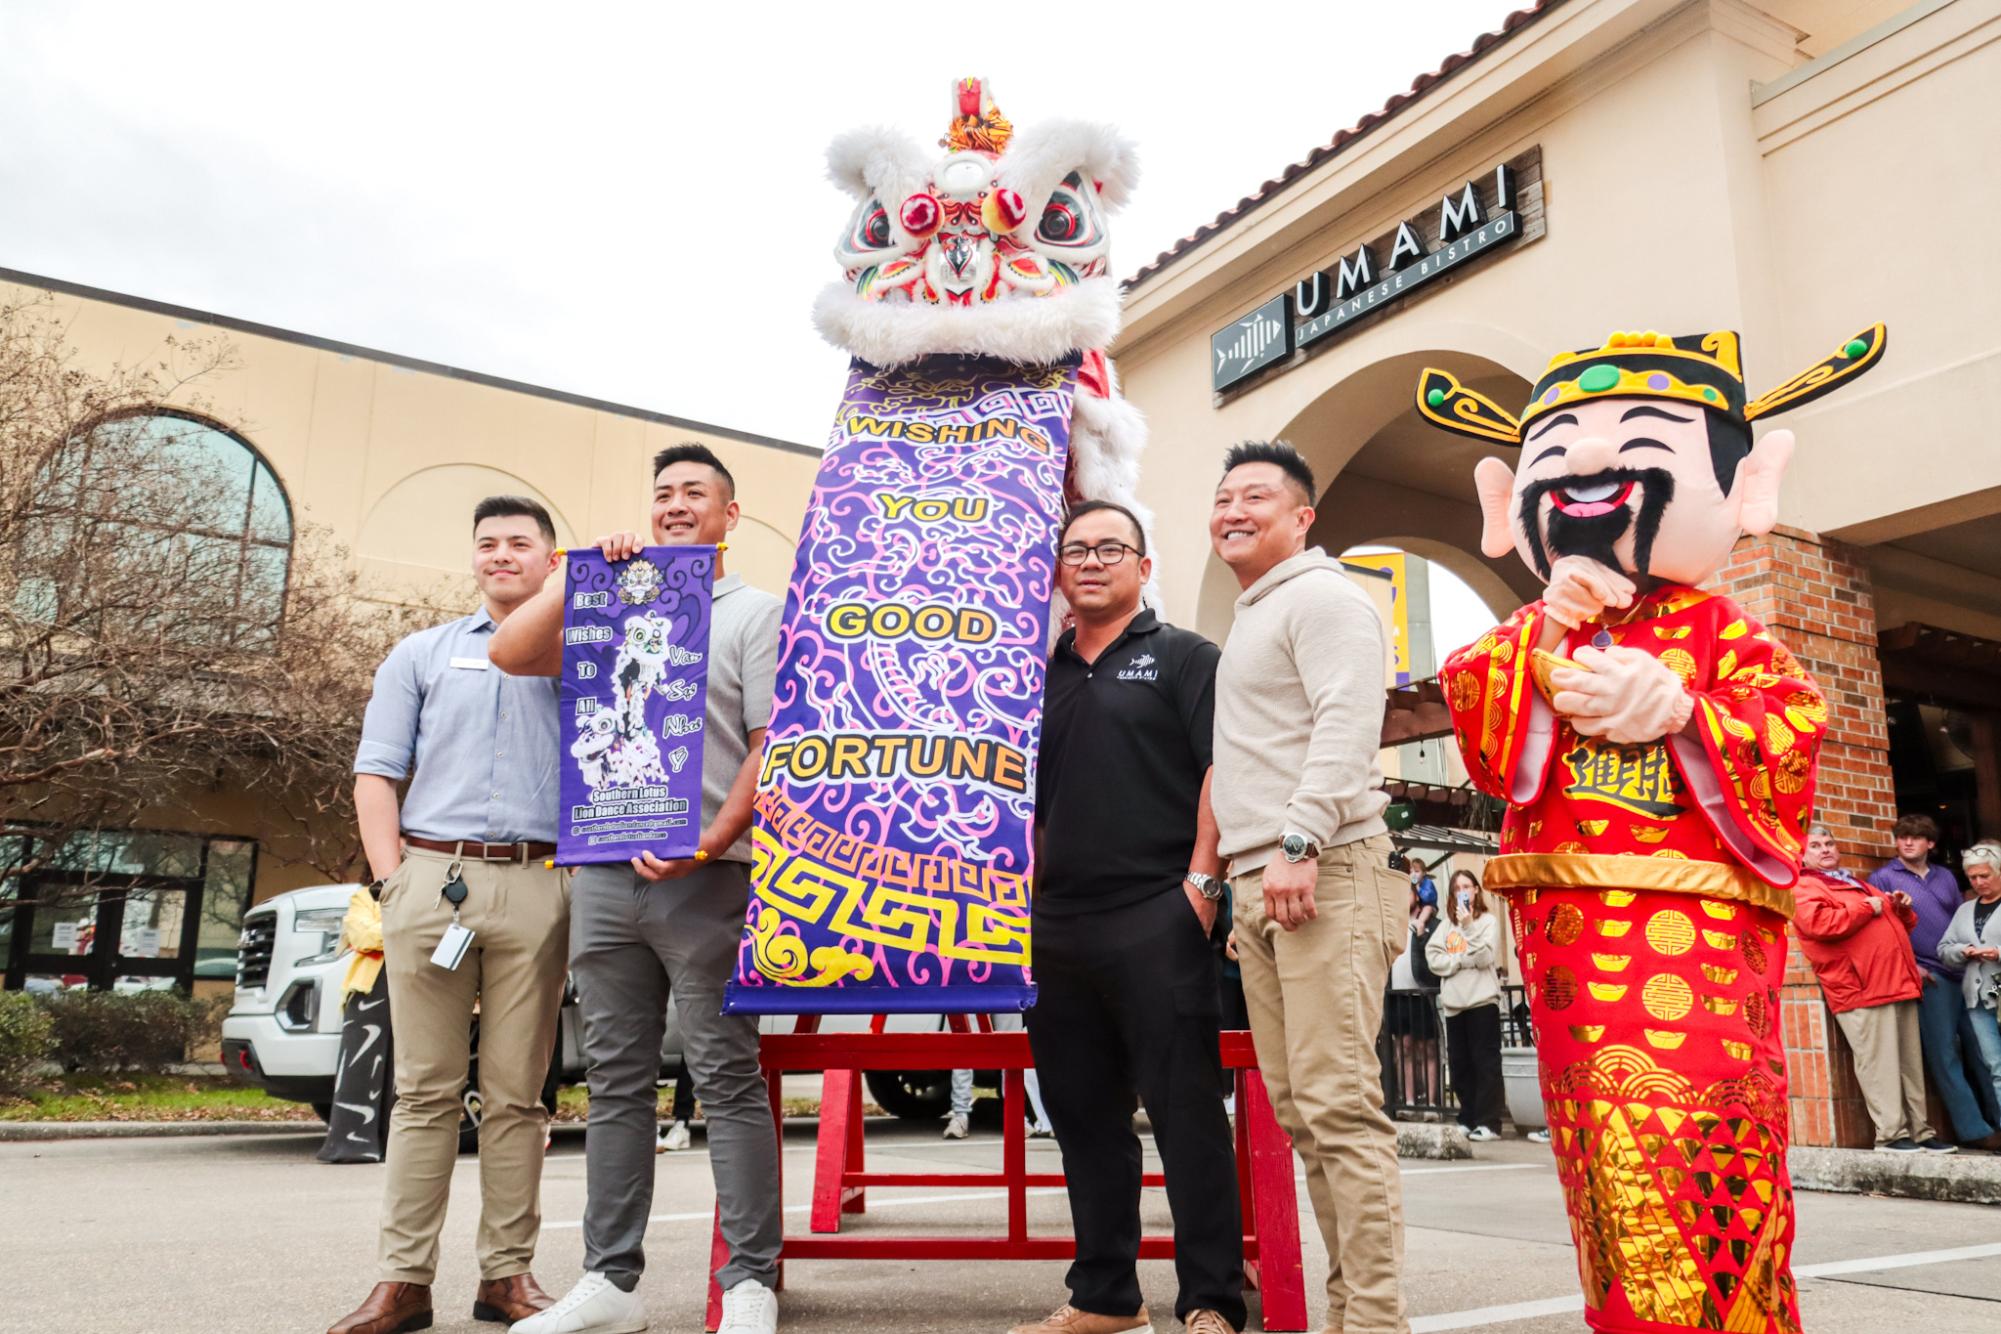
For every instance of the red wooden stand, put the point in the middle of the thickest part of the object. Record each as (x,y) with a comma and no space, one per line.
(1269,1202)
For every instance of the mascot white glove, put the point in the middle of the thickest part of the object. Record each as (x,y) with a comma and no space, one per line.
(1622,694)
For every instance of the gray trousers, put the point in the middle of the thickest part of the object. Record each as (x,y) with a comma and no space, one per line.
(631,942)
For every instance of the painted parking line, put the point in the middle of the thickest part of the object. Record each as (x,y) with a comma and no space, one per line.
(907,1201)
(1497,1315)
(1908,1260)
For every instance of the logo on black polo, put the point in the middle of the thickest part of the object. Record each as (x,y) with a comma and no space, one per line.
(1140,668)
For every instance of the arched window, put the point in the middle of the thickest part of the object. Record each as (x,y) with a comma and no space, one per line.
(172,499)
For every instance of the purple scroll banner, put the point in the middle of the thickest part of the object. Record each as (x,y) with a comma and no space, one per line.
(635,685)
(895,811)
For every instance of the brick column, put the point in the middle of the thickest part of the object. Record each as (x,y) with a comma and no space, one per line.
(1815,597)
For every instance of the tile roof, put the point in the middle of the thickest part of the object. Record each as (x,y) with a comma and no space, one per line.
(1271,189)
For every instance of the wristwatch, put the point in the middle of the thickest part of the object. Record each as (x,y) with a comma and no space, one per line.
(1298,847)
(1208,886)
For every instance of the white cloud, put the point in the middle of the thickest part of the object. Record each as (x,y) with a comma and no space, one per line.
(622,200)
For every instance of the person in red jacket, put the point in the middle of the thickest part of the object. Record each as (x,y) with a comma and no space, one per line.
(1859,943)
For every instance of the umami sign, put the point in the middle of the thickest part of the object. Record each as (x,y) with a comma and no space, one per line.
(1495,211)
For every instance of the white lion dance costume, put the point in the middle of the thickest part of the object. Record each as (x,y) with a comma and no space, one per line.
(895,811)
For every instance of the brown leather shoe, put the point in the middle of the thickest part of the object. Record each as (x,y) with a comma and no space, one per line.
(507,1300)
(1067,1319)
(391,1308)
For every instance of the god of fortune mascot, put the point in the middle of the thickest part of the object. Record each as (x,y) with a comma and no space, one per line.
(1656,748)
(895,809)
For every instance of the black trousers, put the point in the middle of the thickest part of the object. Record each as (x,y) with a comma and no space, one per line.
(1473,1054)
(1126,1007)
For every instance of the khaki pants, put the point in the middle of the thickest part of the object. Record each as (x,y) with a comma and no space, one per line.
(514,969)
(1890,1067)
(1316,1002)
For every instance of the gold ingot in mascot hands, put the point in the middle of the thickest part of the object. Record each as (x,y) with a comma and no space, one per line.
(1611,963)
(1607,991)
(1542,663)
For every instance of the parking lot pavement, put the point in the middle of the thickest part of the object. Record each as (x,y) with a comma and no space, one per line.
(252,1235)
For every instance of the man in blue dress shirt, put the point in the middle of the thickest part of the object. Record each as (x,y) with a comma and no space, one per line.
(478,748)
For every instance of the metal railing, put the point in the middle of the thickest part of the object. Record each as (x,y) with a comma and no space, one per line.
(1417,1084)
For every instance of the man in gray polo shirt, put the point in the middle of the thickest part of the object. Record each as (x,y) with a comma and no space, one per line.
(638,932)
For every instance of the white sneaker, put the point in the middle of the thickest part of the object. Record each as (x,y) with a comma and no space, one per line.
(595,1306)
(1482,1134)
(1538,1137)
(955,1127)
(749,1308)
(674,1138)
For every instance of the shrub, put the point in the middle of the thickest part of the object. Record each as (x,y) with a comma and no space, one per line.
(26,1037)
(144,1031)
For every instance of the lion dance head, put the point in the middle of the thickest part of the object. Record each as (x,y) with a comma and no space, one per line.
(999,247)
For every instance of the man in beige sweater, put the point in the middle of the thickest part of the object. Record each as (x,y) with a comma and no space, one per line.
(1319,912)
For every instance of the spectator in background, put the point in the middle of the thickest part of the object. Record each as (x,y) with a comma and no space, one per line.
(1410,1012)
(1858,941)
(1426,887)
(1973,942)
(678,1133)
(1464,956)
(958,1124)
(1945,1026)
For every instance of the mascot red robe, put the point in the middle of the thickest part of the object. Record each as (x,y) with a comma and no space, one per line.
(1656,748)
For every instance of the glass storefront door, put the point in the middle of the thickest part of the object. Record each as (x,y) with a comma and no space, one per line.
(107,933)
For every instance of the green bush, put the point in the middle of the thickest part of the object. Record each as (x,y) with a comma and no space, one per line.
(26,1037)
(146,1031)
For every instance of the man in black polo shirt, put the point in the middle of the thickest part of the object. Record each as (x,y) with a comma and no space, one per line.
(1125,895)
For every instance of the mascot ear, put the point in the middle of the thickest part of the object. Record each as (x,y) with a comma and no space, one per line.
(1495,481)
(1758,482)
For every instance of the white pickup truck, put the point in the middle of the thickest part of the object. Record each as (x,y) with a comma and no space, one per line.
(282,1032)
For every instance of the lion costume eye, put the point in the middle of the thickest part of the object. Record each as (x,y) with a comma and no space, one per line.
(871,228)
(1068,219)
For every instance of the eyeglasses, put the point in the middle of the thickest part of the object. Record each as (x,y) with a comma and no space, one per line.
(1108,553)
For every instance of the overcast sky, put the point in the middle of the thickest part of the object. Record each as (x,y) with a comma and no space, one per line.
(621,200)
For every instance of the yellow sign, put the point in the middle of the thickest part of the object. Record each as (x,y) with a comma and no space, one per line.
(1393,564)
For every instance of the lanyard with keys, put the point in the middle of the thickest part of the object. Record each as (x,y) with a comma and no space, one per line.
(458,937)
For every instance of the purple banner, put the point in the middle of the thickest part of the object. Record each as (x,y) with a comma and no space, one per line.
(896,808)
(635,684)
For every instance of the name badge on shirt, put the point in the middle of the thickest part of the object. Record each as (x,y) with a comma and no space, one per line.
(470,664)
